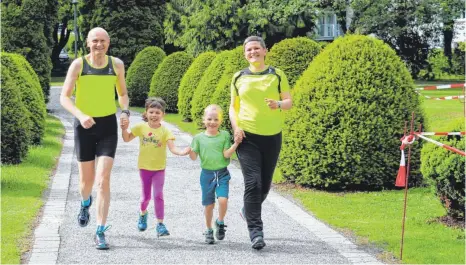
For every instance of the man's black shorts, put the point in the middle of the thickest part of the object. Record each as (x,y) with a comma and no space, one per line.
(99,140)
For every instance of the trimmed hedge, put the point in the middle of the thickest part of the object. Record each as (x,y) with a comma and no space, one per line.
(189,82)
(140,73)
(235,62)
(293,56)
(16,124)
(444,170)
(206,87)
(348,116)
(31,92)
(167,78)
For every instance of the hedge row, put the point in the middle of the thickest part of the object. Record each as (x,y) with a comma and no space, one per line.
(189,82)
(167,78)
(23,108)
(140,74)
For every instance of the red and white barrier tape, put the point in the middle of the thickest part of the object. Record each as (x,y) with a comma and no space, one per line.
(443,98)
(441,87)
(441,145)
(443,133)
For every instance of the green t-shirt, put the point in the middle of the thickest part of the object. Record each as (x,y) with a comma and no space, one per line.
(210,149)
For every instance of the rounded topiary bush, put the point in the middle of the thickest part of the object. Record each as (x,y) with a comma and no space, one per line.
(30,91)
(206,88)
(235,62)
(293,56)
(167,78)
(190,81)
(140,74)
(16,124)
(348,114)
(444,170)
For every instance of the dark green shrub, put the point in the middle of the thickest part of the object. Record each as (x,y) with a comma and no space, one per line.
(16,124)
(458,59)
(30,91)
(293,56)
(206,87)
(235,61)
(348,116)
(167,78)
(445,170)
(190,81)
(140,73)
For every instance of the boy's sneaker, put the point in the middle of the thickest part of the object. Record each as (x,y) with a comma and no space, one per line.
(161,230)
(258,243)
(99,239)
(142,223)
(242,214)
(209,236)
(220,230)
(84,216)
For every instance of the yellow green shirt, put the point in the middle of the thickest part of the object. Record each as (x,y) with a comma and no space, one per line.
(152,146)
(95,89)
(253,114)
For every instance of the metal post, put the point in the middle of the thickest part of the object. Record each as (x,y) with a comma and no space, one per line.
(75,4)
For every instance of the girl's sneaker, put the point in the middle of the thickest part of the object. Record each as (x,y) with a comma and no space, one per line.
(209,236)
(142,223)
(161,230)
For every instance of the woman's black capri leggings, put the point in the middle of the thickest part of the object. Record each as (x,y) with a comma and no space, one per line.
(258,155)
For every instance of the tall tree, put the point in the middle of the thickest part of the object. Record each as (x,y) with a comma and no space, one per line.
(449,11)
(131,24)
(199,25)
(408,26)
(27,30)
(62,29)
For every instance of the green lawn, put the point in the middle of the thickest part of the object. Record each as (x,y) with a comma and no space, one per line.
(22,188)
(441,113)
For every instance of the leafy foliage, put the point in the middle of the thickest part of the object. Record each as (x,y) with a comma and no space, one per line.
(167,78)
(31,92)
(140,74)
(190,81)
(131,24)
(200,26)
(16,123)
(222,95)
(27,28)
(207,84)
(349,106)
(293,56)
(444,170)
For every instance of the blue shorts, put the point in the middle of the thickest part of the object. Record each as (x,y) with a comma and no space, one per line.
(214,182)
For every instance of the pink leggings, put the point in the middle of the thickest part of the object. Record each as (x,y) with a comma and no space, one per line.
(152,180)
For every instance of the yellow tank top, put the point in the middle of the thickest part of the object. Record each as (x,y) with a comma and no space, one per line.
(95,89)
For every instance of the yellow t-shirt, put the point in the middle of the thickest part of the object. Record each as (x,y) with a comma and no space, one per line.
(253,114)
(152,146)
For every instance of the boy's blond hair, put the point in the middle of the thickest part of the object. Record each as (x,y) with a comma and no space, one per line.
(214,107)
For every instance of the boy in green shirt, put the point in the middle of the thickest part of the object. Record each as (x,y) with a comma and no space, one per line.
(214,149)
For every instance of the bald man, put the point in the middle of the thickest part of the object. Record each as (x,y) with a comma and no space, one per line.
(95,127)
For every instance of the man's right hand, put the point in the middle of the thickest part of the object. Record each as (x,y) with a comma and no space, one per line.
(86,121)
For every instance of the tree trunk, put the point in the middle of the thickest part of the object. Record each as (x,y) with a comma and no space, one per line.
(447,40)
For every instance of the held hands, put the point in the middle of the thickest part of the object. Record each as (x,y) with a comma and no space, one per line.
(272,103)
(124,122)
(239,135)
(86,121)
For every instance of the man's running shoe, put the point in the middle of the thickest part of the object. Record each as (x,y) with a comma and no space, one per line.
(84,216)
(99,239)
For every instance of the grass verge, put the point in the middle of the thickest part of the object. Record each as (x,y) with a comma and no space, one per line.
(57,81)
(22,189)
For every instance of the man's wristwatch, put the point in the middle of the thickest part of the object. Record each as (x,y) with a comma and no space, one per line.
(279,104)
(126,112)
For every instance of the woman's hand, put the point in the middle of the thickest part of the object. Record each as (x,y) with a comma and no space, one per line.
(272,103)
(239,135)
